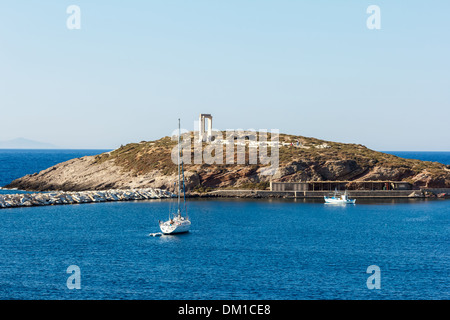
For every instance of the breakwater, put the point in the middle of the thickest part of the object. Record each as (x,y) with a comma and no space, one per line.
(60,197)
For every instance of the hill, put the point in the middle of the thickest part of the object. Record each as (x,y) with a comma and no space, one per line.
(149,164)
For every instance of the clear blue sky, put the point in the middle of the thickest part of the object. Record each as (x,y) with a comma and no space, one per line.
(304,67)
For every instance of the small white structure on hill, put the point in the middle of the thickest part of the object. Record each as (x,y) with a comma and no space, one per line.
(205,136)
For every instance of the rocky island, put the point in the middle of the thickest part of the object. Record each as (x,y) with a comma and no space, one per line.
(148,164)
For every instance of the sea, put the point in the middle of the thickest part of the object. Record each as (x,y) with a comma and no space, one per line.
(237,249)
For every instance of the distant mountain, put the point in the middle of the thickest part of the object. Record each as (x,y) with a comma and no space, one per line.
(22,143)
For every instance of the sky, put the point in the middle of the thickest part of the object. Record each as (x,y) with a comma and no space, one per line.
(310,68)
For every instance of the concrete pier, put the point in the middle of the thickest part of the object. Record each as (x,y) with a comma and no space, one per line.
(317,194)
(60,197)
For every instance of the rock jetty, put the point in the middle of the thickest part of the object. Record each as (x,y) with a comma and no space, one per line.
(60,197)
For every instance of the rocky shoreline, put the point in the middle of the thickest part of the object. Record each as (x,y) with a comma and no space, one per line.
(79,197)
(61,197)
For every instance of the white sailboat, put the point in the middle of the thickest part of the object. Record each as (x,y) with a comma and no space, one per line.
(177,223)
(342,199)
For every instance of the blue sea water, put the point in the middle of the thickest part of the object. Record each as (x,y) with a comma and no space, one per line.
(435,156)
(237,249)
(16,163)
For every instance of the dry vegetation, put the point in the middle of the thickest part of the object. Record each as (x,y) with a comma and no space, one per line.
(141,158)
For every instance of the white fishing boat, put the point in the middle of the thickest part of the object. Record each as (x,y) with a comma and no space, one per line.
(339,199)
(177,223)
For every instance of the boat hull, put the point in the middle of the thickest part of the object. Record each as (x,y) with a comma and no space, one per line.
(175,227)
(339,201)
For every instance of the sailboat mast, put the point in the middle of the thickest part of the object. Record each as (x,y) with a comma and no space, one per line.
(178,159)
